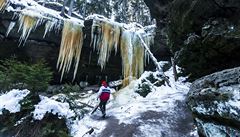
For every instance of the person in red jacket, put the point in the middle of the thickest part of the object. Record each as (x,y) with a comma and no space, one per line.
(104,95)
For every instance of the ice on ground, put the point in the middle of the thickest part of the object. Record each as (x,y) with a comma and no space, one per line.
(10,100)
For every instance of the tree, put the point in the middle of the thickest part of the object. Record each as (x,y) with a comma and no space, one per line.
(15,74)
(63,8)
(71,7)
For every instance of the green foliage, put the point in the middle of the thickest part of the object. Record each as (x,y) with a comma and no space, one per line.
(155,81)
(151,78)
(49,126)
(27,104)
(143,89)
(55,128)
(14,74)
(151,81)
(69,88)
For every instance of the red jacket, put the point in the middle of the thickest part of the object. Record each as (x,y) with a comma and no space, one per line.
(104,93)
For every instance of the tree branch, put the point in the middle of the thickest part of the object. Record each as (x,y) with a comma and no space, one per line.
(155,61)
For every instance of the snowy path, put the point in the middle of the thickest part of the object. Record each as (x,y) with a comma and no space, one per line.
(174,122)
(162,113)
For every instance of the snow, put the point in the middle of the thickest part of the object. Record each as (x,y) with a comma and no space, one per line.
(89,1)
(215,130)
(10,100)
(125,105)
(151,131)
(230,107)
(33,8)
(80,127)
(51,106)
(160,99)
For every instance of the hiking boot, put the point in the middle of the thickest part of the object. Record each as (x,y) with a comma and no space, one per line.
(104,115)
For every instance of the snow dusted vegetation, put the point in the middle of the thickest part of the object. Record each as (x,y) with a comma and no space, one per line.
(51,106)
(126,110)
(10,100)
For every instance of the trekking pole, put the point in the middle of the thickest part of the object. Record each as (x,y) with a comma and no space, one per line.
(88,132)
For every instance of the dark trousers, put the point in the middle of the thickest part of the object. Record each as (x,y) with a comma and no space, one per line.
(102,106)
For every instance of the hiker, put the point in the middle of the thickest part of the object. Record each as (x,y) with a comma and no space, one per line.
(103,95)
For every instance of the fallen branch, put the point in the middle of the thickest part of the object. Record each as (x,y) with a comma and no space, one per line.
(155,61)
(85,104)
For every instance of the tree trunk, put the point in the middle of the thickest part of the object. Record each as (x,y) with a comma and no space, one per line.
(63,8)
(174,69)
(71,8)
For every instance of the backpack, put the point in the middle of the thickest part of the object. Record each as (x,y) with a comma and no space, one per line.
(105,94)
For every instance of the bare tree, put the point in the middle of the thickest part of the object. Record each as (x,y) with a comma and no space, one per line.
(71,8)
(63,8)
(174,69)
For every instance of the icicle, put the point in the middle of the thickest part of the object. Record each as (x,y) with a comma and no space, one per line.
(10,27)
(3,4)
(132,53)
(117,32)
(138,57)
(103,48)
(106,46)
(107,35)
(50,25)
(71,46)
(27,24)
(125,41)
(95,34)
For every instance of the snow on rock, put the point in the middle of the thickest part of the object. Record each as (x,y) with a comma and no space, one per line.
(210,129)
(31,7)
(48,105)
(216,97)
(10,100)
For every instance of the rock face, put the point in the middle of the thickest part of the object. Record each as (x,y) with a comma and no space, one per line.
(37,48)
(215,103)
(202,34)
(159,11)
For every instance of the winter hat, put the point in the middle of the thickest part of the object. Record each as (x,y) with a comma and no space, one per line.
(104,83)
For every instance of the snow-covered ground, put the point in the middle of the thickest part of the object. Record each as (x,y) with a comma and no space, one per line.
(124,108)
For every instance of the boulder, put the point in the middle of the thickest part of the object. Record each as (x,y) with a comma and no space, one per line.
(215,103)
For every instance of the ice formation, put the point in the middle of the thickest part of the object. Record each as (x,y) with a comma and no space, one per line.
(107,35)
(71,46)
